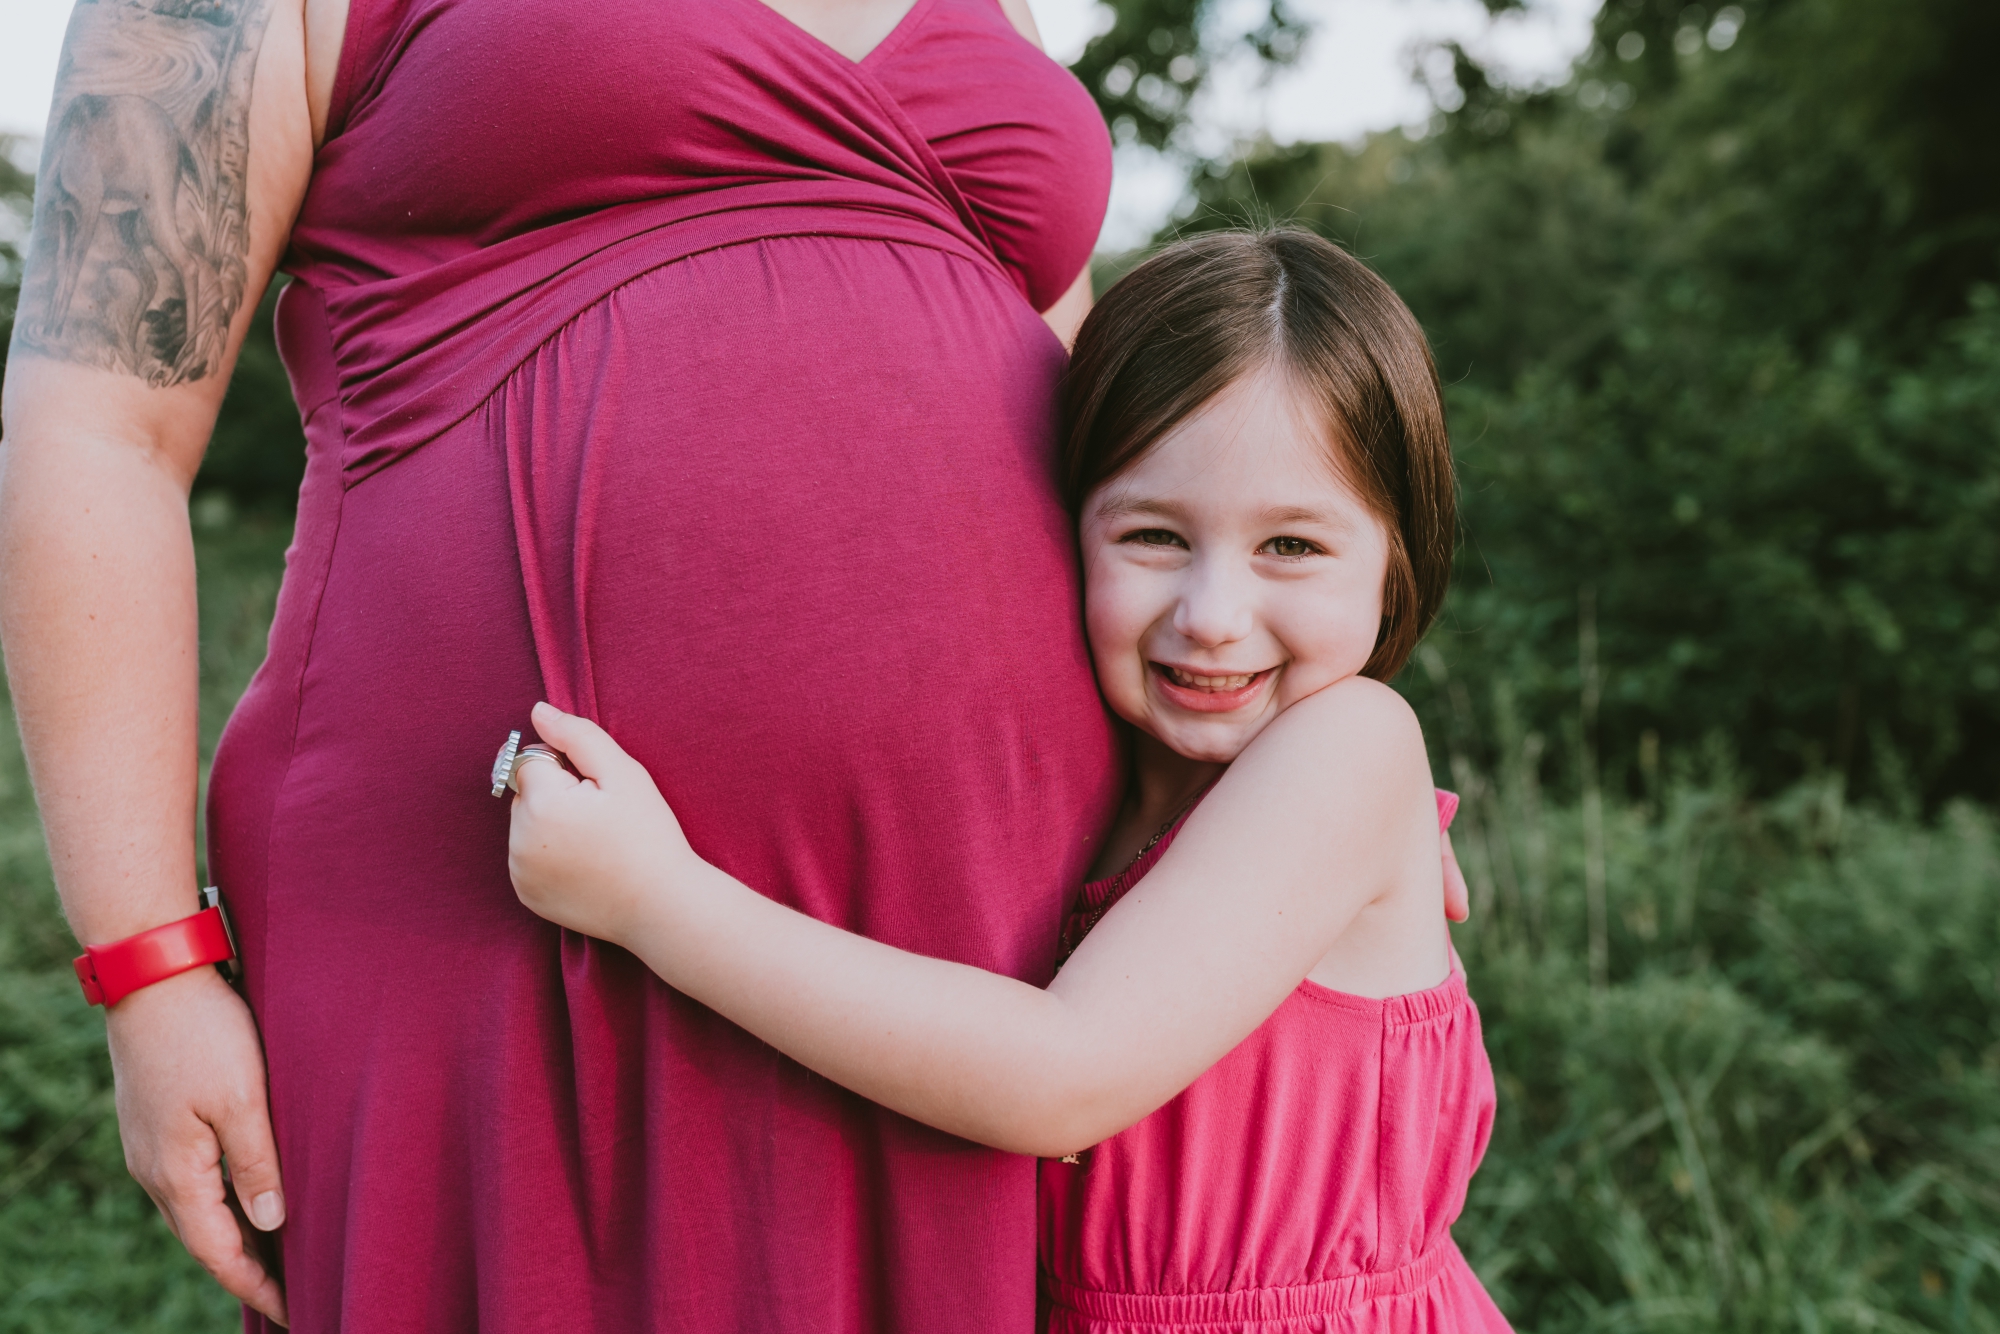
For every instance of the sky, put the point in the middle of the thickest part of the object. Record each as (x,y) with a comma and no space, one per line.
(1354,76)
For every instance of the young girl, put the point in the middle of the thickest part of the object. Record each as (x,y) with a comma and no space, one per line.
(1257,1079)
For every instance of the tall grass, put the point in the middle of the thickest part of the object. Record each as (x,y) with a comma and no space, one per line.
(1778,1106)
(1774,1104)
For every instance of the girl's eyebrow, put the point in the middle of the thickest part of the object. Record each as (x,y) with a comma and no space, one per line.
(1126,507)
(1118,507)
(1298,514)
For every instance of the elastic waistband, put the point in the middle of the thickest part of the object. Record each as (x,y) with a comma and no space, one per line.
(1183,1309)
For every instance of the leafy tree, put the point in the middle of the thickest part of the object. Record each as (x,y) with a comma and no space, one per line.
(1145,68)
(16,194)
(1719,322)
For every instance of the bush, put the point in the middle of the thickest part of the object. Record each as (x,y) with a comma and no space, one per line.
(1773,1106)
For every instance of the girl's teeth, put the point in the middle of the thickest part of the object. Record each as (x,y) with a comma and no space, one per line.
(1211,682)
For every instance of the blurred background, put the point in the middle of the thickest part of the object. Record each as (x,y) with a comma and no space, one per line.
(1714,291)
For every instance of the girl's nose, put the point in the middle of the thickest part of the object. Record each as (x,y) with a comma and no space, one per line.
(1214,607)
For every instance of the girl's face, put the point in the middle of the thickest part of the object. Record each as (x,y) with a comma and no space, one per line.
(1230,572)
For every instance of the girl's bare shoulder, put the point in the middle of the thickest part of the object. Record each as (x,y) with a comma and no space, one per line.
(1354,749)
(1350,720)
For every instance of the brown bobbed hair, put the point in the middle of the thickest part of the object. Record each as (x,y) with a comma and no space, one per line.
(1204,312)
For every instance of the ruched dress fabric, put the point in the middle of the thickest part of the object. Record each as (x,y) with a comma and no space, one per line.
(1306,1184)
(658,360)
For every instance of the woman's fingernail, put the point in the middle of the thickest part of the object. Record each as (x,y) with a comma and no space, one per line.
(267,1211)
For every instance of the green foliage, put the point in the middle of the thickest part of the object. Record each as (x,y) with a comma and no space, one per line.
(16,193)
(1145,68)
(1776,1112)
(81,1247)
(1719,326)
(257,456)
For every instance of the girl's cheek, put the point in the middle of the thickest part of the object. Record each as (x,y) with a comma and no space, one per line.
(1114,634)
(1101,622)
(1328,641)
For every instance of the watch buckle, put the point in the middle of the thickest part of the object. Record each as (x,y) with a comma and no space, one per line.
(231,968)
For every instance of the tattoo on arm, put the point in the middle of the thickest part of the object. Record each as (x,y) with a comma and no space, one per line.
(142,220)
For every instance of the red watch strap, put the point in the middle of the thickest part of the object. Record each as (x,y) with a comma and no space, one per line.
(110,973)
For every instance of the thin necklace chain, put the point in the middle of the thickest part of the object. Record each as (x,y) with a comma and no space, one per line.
(1172,820)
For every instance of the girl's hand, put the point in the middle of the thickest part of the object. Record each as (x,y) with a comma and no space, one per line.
(587,852)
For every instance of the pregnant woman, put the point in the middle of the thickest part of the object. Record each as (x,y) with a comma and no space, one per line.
(677,361)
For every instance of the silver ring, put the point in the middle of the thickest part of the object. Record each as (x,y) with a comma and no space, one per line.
(504,762)
(537,751)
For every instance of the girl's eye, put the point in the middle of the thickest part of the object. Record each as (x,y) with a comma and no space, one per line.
(1289,546)
(1154,537)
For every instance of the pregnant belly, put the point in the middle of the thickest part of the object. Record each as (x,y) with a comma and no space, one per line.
(782,517)
(789,531)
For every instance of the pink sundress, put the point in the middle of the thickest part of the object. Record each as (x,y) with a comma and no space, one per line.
(1305,1185)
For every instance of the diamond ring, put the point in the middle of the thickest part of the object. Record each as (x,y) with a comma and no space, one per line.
(504,762)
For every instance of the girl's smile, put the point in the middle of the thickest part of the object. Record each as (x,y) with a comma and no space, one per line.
(1211,693)
(1230,571)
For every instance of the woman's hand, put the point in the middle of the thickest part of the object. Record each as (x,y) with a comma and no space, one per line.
(189,1073)
(586,852)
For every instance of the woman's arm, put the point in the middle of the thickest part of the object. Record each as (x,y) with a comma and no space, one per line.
(1066,315)
(177,152)
(1327,811)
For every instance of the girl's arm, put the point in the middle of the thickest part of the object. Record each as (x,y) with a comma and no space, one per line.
(1327,811)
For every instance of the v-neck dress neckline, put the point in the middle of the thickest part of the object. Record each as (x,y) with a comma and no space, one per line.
(911,18)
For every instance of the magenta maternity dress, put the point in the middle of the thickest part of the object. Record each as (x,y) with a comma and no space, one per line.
(659,360)
(1306,1184)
